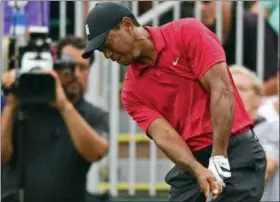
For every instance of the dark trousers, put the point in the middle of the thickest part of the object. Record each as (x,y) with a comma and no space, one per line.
(14,197)
(247,162)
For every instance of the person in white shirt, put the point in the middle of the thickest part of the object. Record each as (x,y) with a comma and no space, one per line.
(267,130)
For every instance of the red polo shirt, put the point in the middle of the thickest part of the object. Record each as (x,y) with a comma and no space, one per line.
(170,87)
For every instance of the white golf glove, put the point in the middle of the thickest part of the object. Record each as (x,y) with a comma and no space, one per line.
(219,165)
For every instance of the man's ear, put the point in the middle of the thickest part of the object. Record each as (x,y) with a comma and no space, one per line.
(127,23)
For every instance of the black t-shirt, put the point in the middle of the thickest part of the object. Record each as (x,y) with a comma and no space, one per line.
(250,26)
(54,170)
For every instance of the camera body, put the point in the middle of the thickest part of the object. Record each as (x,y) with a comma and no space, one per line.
(32,85)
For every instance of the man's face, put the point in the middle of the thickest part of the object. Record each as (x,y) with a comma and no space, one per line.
(119,45)
(208,13)
(75,84)
(244,85)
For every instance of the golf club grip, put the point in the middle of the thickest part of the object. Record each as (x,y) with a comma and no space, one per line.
(209,197)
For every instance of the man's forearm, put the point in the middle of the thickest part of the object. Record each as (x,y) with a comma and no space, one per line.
(271,168)
(179,153)
(222,114)
(7,121)
(271,86)
(170,142)
(86,140)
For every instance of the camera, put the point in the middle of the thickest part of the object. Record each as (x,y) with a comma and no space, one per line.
(32,85)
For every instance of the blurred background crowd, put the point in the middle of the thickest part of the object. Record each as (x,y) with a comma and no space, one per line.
(249,32)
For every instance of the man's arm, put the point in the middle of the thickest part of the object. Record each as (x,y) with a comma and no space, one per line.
(216,81)
(208,62)
(8,117)
(158,128)
(170,142)
(271,167)
(7,121)
(256,8)
(167,139)
(86,140)
(271,85)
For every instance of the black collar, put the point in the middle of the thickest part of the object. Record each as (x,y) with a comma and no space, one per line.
(259,120)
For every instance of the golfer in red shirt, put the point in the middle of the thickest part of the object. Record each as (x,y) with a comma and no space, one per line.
(180,92)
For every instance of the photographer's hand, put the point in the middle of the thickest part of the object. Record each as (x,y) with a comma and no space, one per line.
(61,100)
(8,79)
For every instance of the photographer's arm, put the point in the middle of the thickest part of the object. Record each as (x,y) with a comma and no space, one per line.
(7,121)
(86,140)
(84,137)
(8,118)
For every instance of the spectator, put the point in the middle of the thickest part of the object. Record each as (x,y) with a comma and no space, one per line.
(271,12)
(269,108)
(251,91)
(37,14)
(250,20)
(60,141)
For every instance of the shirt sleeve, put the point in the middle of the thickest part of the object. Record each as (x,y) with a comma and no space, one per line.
(202,47)
(140,113)
(97,118)
(101,121)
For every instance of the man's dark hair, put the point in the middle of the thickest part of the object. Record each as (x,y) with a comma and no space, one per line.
(76,42)
(134,21)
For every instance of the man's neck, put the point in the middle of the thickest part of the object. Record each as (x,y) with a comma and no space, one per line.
(146,45)
(259,120)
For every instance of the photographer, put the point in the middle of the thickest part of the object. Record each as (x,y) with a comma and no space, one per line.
(48,149)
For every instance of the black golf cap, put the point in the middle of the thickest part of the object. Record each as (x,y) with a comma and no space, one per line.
(100,20)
